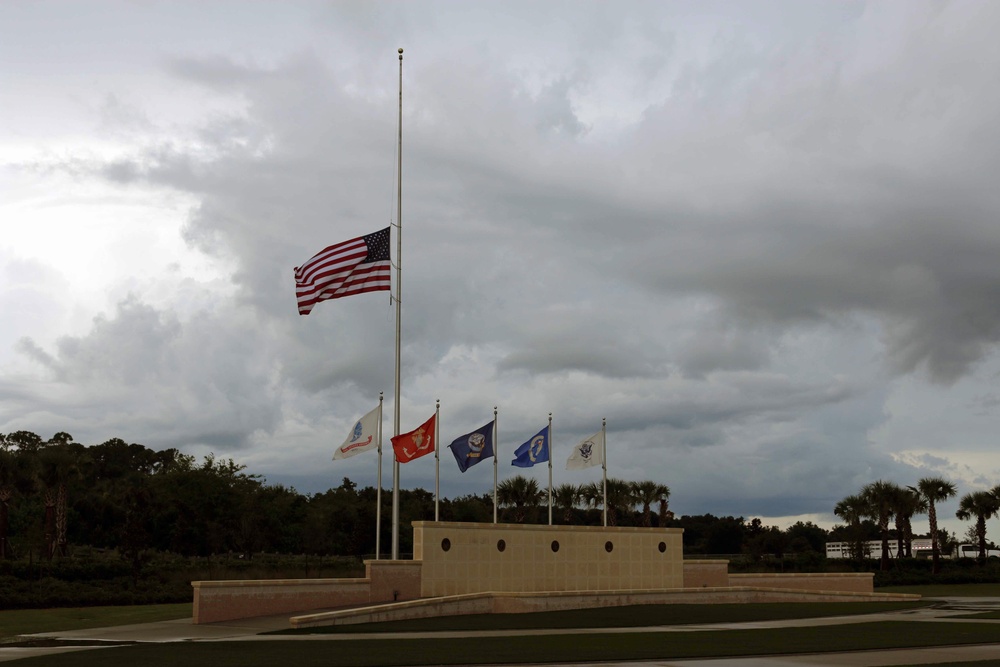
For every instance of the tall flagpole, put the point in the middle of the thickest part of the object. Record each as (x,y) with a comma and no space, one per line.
(437,457)
(378,493)
(604,465)
(496,454)
(548,441)
(399,291)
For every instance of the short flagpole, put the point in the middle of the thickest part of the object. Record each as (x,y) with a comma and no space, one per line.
(378,492)
(496,455)
(549,443)
(437,458)
(399,291)
(604,465)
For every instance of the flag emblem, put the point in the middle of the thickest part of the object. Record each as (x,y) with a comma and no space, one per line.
(535,450)
(421,441)
(476,443)
(358,429)
(586,450)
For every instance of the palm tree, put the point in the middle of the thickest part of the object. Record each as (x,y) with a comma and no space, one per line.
(47,478)
(566,497)
(620,499)
(57,466)
(7,479)
(645,493)
(665,514)
(852,510)
(880,496)
(934,490)
(592,495)
(907,503)
(982,505)
(521,493)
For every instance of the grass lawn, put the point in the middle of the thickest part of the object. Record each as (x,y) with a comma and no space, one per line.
(946,590)
(587,647)
(26,621)
(988,615)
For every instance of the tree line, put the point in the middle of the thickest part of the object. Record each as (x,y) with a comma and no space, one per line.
(127,497)
(883,501)
(55,493)
(133,500)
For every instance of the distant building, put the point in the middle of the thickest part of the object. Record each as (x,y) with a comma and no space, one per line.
(921,548)
(873,549)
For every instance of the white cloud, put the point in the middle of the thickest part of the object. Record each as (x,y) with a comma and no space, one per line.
(759,239)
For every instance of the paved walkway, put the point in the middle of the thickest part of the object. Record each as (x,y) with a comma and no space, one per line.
(250,629)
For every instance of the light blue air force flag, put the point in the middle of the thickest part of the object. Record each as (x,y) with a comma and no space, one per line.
(534,451)
(472,448)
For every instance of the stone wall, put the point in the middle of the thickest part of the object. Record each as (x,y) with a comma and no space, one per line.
(460,558)
(706,573)
(393,580)
(851,582)
(387,581)
(522,568)
(216,601)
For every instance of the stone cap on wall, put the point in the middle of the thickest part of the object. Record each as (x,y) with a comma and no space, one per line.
(388,562)
(542,527)
(250,583)
(801,575)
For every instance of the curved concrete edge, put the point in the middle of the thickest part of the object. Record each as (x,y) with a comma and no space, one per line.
(510,602)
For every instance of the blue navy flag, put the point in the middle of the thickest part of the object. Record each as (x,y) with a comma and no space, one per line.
(472,448)
(534,451)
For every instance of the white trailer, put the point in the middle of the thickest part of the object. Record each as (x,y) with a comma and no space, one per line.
(873,548)
(972,551)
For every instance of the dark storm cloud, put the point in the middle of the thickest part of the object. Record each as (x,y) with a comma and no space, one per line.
(705,226)
(860,187)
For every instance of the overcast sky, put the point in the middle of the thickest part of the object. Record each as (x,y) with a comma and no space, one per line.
(761,239)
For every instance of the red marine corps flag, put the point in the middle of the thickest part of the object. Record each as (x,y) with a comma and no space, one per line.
(352,267)
(413,445)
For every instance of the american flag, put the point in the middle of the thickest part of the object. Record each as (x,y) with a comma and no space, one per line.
(352,267)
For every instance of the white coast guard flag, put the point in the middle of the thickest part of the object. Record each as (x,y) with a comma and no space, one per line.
(362,437)
(589,452)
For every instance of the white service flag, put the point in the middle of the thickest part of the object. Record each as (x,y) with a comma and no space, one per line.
(590,452)
(362,438)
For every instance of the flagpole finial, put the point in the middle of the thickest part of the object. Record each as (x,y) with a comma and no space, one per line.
(437,401)
(400,53)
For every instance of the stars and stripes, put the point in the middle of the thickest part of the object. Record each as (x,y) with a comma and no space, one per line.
(352,267)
